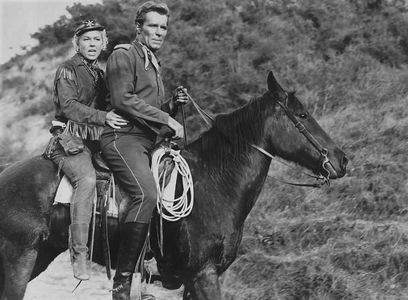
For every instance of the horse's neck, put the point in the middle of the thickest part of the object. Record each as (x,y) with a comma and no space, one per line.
(236,171)
(252,184)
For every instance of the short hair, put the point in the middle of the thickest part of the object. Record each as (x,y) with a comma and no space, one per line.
(75,41)
(159,7)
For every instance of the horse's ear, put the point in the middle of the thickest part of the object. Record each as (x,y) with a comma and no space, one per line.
(273,85)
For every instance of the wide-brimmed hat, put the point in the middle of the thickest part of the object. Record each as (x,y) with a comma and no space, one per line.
(88,25)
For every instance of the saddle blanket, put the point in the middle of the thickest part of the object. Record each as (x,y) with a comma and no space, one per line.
(65,192)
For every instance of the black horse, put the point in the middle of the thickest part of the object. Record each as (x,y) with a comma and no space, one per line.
(228,170)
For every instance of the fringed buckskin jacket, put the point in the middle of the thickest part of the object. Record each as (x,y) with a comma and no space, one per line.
(79,97)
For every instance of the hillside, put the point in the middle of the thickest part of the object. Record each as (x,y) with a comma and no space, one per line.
(347,60)
(26,102)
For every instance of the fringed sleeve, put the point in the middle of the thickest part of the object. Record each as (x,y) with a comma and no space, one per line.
(84,121)
(85,131)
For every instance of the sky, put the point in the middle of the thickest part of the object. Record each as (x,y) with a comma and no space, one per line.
(19,19)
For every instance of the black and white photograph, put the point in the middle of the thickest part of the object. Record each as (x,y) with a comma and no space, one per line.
(203,150)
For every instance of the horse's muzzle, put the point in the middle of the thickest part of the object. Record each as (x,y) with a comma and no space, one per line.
(340,171)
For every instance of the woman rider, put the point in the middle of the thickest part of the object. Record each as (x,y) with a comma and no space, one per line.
(79,98)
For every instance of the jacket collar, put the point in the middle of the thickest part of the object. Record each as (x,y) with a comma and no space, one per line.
(76,59)
(138,48)
(142,51)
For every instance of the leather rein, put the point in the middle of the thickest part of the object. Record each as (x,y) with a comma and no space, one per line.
(321,179)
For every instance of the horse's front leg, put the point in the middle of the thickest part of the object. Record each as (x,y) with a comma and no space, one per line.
(206,285)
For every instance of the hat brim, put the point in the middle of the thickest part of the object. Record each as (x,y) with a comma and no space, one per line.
(92,28)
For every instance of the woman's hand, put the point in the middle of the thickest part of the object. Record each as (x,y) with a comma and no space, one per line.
(177,127)
(114,120)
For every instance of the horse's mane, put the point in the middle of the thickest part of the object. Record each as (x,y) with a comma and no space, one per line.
(232,133)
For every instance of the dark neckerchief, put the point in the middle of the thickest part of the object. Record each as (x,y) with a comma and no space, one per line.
(93,69)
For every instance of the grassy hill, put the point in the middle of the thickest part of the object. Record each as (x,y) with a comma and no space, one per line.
(347,60)
(26,102)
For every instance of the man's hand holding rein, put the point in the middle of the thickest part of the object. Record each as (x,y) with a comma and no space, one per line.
(180,96)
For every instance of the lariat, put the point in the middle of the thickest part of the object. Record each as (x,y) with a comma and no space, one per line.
(171,206)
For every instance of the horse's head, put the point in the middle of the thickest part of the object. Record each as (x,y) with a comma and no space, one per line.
(297,136)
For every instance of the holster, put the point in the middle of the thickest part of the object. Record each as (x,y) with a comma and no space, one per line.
(52,144)
(49,149)
(71,144)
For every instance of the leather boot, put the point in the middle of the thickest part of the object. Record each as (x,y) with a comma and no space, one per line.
(79,251)
(132,240)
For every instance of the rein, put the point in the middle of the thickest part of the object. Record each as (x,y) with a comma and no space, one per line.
(209,120)
(315,185)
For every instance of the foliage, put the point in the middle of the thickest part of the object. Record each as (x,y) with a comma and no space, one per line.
(308,42)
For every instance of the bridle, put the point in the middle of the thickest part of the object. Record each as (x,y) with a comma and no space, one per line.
(325,161)
(326,164)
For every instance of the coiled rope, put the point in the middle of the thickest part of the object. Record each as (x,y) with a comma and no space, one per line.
(169,206)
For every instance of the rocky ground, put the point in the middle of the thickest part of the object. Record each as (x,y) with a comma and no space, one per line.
(57,283)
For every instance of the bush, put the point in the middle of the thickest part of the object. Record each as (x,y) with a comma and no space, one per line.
(13,83)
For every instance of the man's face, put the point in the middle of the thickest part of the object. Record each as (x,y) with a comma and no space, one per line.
(154,30)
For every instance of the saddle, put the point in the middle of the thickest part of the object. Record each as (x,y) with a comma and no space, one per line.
(106,204)
(105,183)
(104,180)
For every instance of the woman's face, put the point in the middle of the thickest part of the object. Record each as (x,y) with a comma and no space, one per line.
(90,44)
(154,30)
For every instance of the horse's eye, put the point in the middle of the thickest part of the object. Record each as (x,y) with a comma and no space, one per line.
(303,115)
